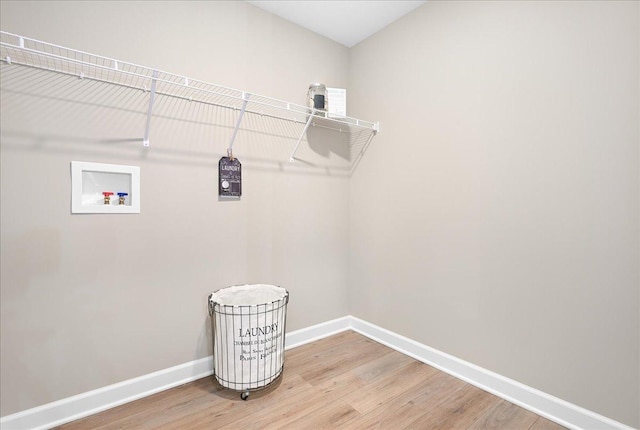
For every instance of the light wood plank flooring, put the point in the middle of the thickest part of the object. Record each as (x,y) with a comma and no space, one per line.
(346,381)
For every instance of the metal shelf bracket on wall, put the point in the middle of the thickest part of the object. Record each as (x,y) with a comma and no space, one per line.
(16,51)
(304,131)
(243,109)
(152,97)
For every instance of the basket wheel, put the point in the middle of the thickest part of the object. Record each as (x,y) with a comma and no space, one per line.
(244,395)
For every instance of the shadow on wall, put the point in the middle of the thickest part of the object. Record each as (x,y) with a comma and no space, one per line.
(132,149)
(325,142)
(43,111)
(204,348)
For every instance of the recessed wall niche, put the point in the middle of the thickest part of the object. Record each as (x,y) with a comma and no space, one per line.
(104,188)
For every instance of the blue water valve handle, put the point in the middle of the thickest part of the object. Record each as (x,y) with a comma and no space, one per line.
(121,198)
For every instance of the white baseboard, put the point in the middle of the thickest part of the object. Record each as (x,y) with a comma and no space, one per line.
(91,402)
(317,332)
(94,401)
(543,404)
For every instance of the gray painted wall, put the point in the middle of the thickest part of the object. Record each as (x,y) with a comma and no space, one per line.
(90,300)
(496,216)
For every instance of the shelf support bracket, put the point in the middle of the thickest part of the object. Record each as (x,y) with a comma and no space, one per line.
(364,148)
(245,100)
(152,97)
(304,130)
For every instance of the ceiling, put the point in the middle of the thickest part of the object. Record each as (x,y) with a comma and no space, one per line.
(345,22)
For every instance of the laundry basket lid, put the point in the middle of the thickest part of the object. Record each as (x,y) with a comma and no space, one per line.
(248,295)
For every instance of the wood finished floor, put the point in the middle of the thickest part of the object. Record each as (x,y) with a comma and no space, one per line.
(346,381)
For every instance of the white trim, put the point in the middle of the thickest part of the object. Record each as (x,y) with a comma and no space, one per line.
(317,332)
(543,404)
(91,402)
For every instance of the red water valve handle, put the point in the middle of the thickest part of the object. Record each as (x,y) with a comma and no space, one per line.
(107,197)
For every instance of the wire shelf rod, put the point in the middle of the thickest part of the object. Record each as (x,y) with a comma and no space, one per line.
(38,55)
(180,82)
(290,108)
(302,111)
(338,121)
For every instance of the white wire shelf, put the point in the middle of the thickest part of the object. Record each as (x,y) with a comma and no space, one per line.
(24,51)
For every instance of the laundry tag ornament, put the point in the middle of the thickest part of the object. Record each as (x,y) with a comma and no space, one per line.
(229,177)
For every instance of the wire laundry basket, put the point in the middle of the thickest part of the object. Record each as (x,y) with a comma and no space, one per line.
(248,328)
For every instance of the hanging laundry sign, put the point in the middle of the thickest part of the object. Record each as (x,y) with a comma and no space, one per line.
(229,177)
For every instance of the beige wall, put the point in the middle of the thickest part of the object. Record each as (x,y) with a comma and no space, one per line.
(496,216)
(90,300)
